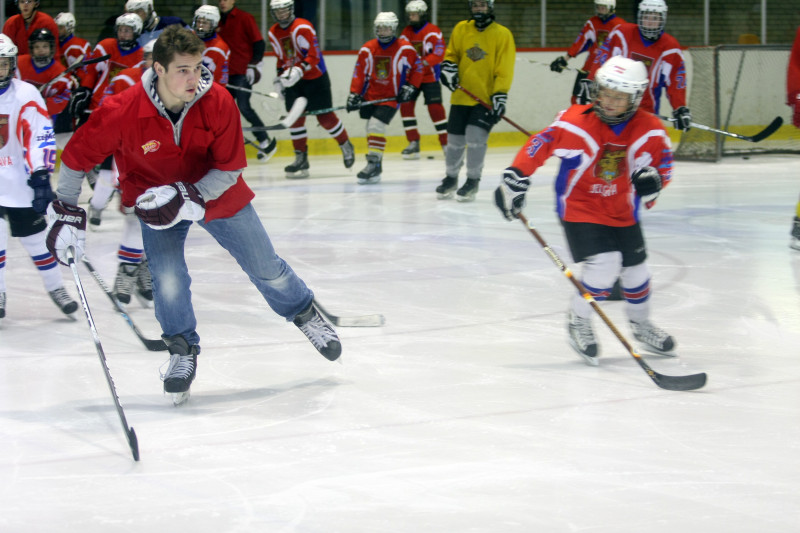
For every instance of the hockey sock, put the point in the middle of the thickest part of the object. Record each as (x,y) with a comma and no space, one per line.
(454,155)
(333,126)
(409,120)
(477,143)
(103,189)
(636,290)
(3,247)
(43,259)
(439,118)
(597,275)
(299,135)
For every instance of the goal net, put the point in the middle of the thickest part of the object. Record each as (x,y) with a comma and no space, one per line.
(740,89)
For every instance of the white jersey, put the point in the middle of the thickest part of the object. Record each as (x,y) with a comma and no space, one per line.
(27,142)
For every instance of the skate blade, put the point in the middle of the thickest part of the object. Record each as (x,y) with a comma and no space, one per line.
(299,175)
(644,348)
(589,360)
(144,301)
(415,155)
(179,398)
(466,198)
(445,195)
(369,181)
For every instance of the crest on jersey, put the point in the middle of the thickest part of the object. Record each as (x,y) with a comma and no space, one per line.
(475,53)
(601,37)
(382,67)
(288,49)
(3,130)
(611,164)
(648,61)
(151,146)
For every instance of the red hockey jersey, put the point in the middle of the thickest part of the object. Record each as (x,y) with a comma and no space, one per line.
(97,76)
(592,36)
(216,58)
(57,95)
(297,44)
(382,69)
(430,47)
(73,49)
(793,74)
(594,180)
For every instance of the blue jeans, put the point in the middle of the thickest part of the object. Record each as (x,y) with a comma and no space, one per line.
(244,237)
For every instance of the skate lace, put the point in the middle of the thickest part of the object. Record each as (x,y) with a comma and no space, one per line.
(143,278)
(180,367)
(2,300)
(125,281)
(59,296)
(582,331)
(647,332)
(318,332)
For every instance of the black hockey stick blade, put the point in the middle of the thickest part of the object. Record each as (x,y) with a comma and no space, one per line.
(133,442)
(362,321)
(677,383)
(758,137)
(769,130)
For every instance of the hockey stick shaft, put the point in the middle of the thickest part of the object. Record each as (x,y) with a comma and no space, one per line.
(544,64)
(130,434)
(281,126)
(72,68)
(154,345)
(246,90)
(676,383)
(363,321)
(773,126)
(489,107)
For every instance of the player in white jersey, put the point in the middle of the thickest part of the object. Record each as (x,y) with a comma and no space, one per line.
(27,157)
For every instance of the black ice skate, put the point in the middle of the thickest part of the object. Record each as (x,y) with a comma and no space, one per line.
(298,169)
(653,339)
(2,305)
(266,149)
(468,191)
(348,153)
(320,332)
(411,151)
(795,242)
(94,215)
(63,301)
(447,188)
(181,370)
(124,282)
(372,172)
(581,338)
(144,284)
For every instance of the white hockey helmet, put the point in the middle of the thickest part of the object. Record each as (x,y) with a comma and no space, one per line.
(275,5)
(8,50)
(623,75)
(66,20)
(148,47)
(132,21)
(386,19)
(417,6)
(610,5)
(209,13)
(652,18)
(147,14)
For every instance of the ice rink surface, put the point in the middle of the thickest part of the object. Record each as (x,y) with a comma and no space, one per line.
(467,412)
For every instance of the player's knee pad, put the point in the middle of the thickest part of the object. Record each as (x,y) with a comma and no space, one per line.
(476,137)
(599,273)
(376,127)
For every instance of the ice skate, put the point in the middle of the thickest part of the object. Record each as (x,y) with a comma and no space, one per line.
(653,339)
(2,305)
(348,153)
(581,338)
(181,370)
(411,151)
(372,172)
(468,191)
(61,299)
(320,332)
(446,189)
(144,284)
(266,149)
(298,169)
(124,282)
(94,215)
(795,242)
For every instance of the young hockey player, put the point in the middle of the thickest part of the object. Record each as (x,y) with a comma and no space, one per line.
(73,48)
(793,101)
(152,23)
(217,55)
(19,27)
(40,68)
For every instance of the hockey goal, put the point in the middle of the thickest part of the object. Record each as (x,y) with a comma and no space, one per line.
(741,89)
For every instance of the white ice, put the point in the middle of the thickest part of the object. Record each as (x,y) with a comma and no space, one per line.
(466,412)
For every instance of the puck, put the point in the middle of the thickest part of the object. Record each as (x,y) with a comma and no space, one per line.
(430,157)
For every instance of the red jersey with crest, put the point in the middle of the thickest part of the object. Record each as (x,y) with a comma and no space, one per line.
(430,47)
(663,59)
(297,45)
(382,69)
(592,36)
(57,96)
(124,80)
(97,76)
(73,49)
(594,180)
(216,58)
(793,73)
(19,31)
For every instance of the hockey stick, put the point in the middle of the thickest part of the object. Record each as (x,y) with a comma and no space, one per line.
(281,126)
(133,442)
(246,90)
(73,67)
(758,137)
(489,107)
(154,345)
(544,64)
(676,383)
(363,321)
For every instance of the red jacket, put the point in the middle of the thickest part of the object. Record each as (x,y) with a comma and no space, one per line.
(239,31)
(17,32)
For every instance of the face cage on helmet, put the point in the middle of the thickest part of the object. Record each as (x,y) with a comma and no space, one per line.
(203,34)
(652,34)
(604,16)
(5,81)
(388,39)
(633,105)
(483,19)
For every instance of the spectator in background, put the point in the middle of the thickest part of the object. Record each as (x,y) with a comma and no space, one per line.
(73,49)
(20,27)
(793,101)
(239,30)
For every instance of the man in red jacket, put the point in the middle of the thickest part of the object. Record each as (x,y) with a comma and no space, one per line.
(19,28)
(178,167)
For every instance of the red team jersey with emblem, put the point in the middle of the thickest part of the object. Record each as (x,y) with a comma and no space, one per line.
(58,93)
(594,180)
(297,45)
(592,36)
(124,80)
(381,70)
(97,76)
(793,72)
(73,49)
(216,58)
(430,47)
(663,59)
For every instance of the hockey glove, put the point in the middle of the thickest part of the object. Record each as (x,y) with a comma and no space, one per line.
(449,75)
(647,183)
(499,106)
(353,102)
(163,207)
(796,114)
(559,64)
(582,90)
(291,76)
(42,193)
(407,93)
(66,227)
(79,101)
(253,74)
(510,195)
(683,118)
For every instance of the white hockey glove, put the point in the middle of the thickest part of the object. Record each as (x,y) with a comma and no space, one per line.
(510,195)
(291,76)
(163,207)
(683,118)
(499,106)
(449,75)
(647,183)
(66,228)
(253,73)
(278,88)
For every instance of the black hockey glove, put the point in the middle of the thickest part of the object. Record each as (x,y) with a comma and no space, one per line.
(42,193)
(407,93)
(647,183)
(582,88)
(683,118)
(510,195)
(449,75)
(559,64)
(354,102)
(79,101)
(499,106)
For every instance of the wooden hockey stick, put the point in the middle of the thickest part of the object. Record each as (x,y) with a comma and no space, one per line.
(246,90)
(489,107)
(73,67)
(760,136)
(281,126)
(676,383)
